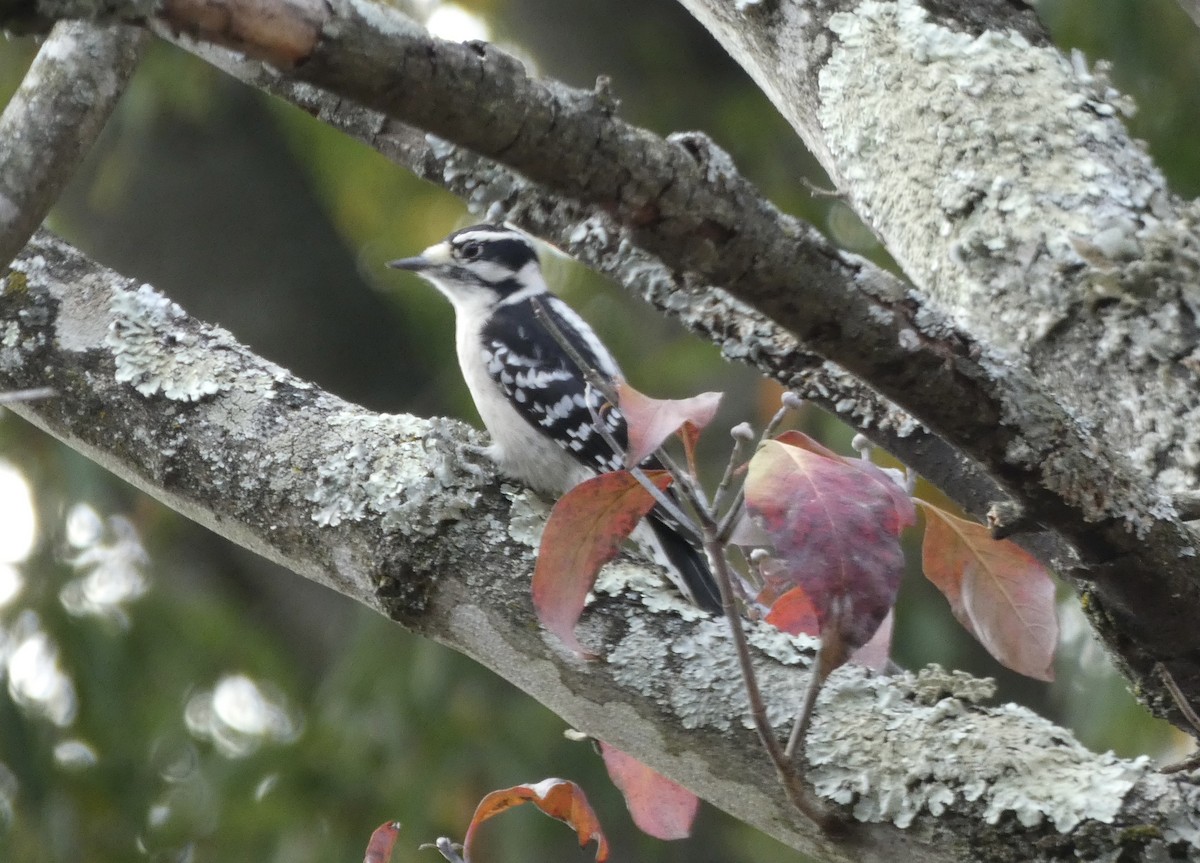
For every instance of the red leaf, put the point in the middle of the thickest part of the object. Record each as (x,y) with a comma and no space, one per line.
(835,524)
(794,613)
(383,840)
(659,807)
(585,531)
(999,592)
(558,798)
(651,421)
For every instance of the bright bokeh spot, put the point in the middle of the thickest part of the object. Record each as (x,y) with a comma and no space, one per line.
(18,524)
(10,583)
(454,23)
(110,563)
(75,755)
(239,715)
(36,681)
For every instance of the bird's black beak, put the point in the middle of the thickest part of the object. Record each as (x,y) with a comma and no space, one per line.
(416,264)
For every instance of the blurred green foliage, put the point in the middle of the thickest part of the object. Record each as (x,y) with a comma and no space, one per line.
(254,215)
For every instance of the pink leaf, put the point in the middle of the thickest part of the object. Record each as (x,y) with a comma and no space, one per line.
(382,842)
(835,525)
(651,421)
(585,531)
(659,807)
(875,653)
(999,592)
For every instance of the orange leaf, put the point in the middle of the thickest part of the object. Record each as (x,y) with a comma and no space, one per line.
(999,592)
(585,531)
(803,441)
(794,613)
(651,421)
(660,807)
(383,840)
(558,798)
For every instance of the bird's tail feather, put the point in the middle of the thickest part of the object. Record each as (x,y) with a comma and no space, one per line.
(688,562)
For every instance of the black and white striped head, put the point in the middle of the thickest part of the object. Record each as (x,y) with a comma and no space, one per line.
(482,265)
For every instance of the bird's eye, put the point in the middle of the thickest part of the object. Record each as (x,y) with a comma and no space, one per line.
(470,251)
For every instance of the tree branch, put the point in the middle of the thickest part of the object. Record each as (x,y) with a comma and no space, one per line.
(1007,392)
(683,202)
(54,118)
(381,509)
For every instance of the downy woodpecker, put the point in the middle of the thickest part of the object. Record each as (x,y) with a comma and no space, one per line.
(531,396)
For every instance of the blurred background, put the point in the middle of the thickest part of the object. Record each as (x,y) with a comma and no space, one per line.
(170,697)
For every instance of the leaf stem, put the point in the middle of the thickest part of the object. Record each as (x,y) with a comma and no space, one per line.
(789,776)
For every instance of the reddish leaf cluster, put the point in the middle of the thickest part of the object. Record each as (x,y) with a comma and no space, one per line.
(558,798)
(835,525)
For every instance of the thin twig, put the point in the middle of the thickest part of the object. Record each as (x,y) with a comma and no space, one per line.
(790,402)
(1181,701)
(661,497)
(804,716)
(742,434)
(732,515)
(602,384)
(830,655)
(784,767)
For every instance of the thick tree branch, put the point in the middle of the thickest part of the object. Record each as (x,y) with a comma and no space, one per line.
(1026,212)
(592,236)
(1016,407)
(381,509)
(54,117)
(683,202)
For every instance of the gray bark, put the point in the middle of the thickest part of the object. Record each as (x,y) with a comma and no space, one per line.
(398,513)
(77,77)
(1044,249)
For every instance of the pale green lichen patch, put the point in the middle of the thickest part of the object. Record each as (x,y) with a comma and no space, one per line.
(712,695)
(648,587)
(157,348)
(403,469)
(527,517)
(1020,154)
(876,745)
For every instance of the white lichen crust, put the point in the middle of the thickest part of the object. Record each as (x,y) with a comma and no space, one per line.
(395,467)
(144,322)
(977,123)
(902,755)
(1027,214)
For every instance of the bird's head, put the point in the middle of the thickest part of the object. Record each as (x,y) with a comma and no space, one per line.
(480,265)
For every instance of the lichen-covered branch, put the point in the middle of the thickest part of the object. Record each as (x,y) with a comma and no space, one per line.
(682,202)
(54,117)
(1098,463)
(595,238)
(382,509)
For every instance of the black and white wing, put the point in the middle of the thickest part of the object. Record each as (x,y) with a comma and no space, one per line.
(548,390)
(543,384)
